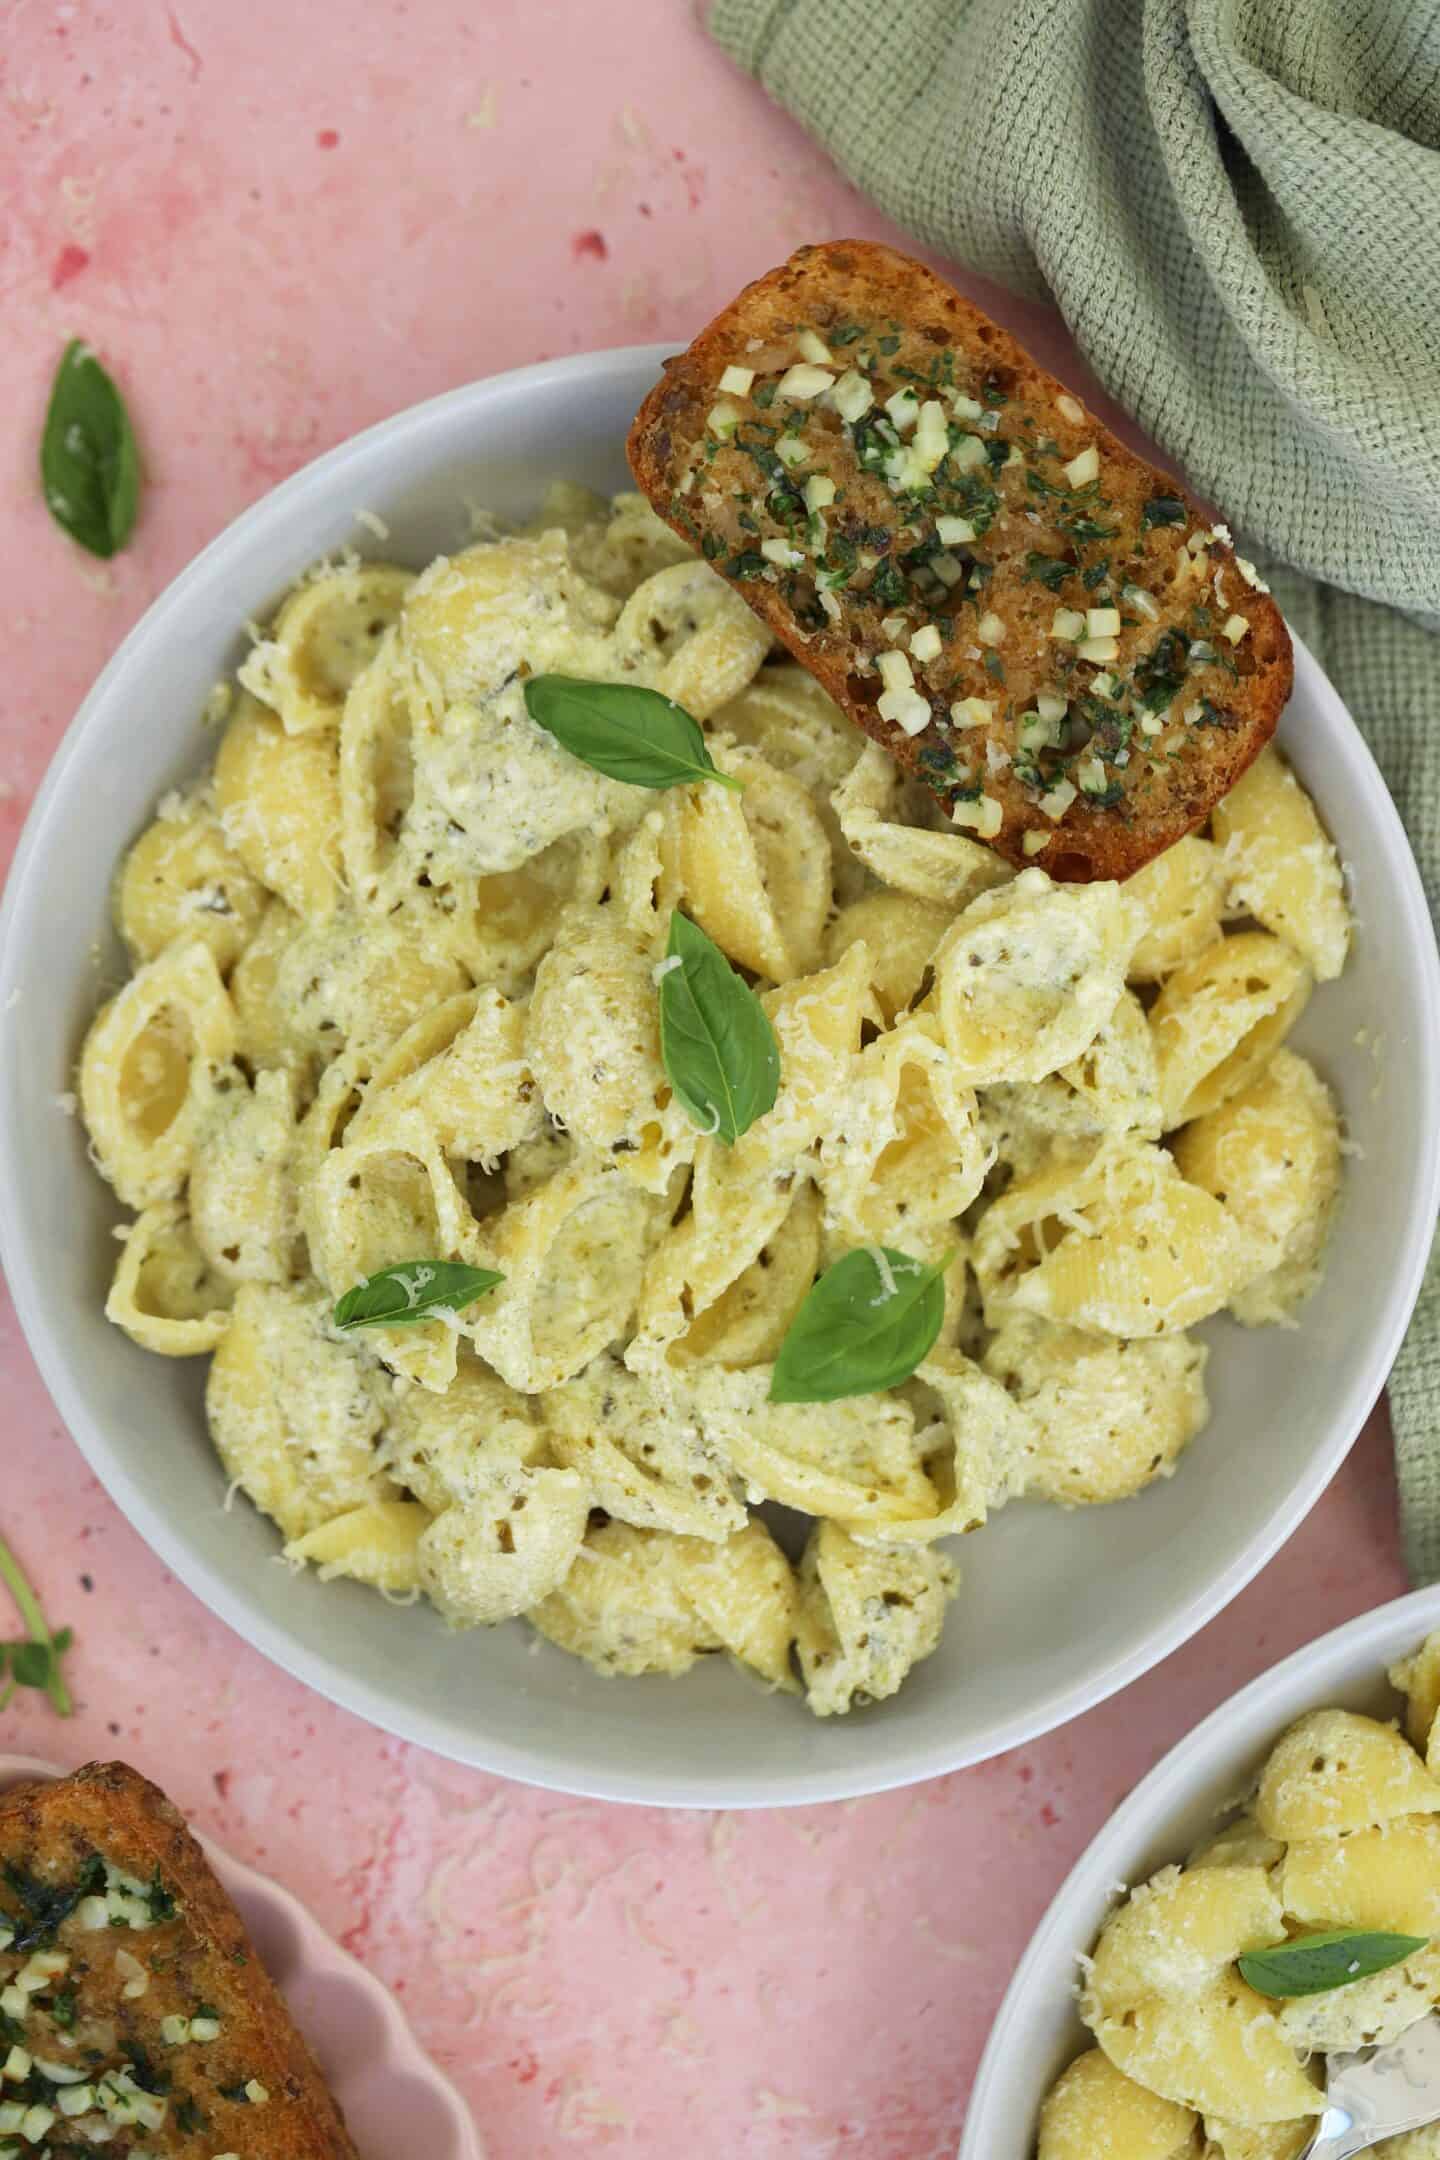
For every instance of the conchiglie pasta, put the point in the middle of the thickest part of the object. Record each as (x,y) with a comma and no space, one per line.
(153,1062)
(1028,975)
(1269,2141)
(750,1318)
(1280,865)
(390,1198)
(1108,1417)
(572,1253)
(278,798)
(593,1041)
(263,1040)
(242,1195)
(1418,1680)
(1093,2112)
(943,868)
(753,869)
(868,1615)
(1334,1772)
(348,981)
(1271,1154)
(1115,1242)
(691,636)
(497,927)
(1367,2013)
(469,620)
(906,1149)
(377,1544)
(745,1589)
(644,1462)
(1219,1019)
(900,934)
(1342,1835)
(785,715)
(326,634)
(858,1463)
(619,548)
(165,1294)
(448,1450)
(1387,1878)
(1181,898)
(377,778)
(624,1606)
(1176,1935)
(1111,1089)
(461,1069)
(491,1558)
(183,880)
(709,1252)
(295,1415)
(1218,2049)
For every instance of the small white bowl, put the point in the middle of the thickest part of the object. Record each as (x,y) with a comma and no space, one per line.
(1056,1611)
(1037,2029)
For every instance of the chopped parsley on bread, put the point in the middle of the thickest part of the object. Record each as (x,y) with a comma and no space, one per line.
(135,2016)
(1042,627)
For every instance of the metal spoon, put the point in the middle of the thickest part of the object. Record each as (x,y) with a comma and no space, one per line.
(1376,2092)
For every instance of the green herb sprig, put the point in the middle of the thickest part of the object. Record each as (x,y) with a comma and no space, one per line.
(89,465)
(35,1661)
(716,1040)
(864,1327)
(623,730)
(1316,1964)
(411,1291)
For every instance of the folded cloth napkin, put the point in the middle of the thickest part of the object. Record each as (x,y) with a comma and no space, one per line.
(1236,205)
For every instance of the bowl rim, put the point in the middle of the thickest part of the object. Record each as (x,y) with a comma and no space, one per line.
(1224,1739)
(892,1766)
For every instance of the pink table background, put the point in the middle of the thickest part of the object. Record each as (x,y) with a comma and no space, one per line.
(279,225)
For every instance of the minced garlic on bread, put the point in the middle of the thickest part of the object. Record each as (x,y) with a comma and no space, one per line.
(134,2012)
(1035,622)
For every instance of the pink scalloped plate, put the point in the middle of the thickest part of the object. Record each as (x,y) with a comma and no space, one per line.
(395,2100)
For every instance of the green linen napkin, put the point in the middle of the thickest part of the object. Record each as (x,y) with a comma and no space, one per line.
(1236,205)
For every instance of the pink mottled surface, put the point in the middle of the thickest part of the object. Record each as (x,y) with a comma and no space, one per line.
(279,225)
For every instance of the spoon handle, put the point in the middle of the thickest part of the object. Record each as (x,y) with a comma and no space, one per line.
(1339,2137)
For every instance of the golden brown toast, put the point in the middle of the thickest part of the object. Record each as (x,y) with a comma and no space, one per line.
(1031,619)
(118,1925)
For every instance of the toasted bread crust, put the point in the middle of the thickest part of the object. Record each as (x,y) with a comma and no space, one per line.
(1040,541)
(202,1955)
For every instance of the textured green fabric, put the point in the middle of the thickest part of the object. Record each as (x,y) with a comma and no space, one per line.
(1236,205)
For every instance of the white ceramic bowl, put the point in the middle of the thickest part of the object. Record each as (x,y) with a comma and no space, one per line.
(1037,2031)
(1056,1610)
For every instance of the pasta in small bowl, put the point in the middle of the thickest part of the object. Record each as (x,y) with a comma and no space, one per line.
(606,1164)
(1281,1901)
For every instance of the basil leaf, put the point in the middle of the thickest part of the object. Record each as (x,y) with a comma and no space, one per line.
(716,1039)
(34,1664)
(865,1326)
(89,465)
(1314,1964)
(623,730)
(412,1290)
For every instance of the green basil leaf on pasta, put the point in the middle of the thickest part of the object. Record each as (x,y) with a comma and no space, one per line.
(623,730)
(719,1048)
(89,465)
(413,1290)
(865,1326)
(1314,1964)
